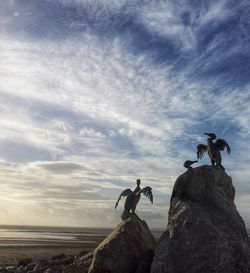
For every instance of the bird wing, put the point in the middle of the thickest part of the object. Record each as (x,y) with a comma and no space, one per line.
(201,149)
(147,191)
(123,194)
(221,144)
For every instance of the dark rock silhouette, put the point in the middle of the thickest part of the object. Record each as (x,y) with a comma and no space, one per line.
(57,264)
(205,233)
(128,249)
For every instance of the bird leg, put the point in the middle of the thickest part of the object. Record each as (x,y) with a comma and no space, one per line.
(133,212)
(212,162)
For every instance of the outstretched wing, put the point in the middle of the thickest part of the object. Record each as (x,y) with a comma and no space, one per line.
(123,194)
(147,191)
(201,149)
(221,144)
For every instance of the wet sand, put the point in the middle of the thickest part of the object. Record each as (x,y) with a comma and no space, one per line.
(11,256)
(12,250)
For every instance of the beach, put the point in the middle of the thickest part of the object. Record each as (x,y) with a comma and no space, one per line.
(17,243)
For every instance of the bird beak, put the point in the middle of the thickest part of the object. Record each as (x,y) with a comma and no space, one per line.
(206,134)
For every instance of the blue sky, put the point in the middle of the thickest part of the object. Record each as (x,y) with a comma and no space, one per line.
(95,94)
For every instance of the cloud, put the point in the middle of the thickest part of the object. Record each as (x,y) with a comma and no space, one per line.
(91,133)
(58,167)
(57,190)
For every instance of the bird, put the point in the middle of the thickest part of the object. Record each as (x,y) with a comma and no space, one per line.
(187,164)
(133,197)
(213,149)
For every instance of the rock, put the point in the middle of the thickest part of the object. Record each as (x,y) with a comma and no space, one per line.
(56,264)
(38,265)
(121,251)
(25,261)
(82,253)
(64,261)
(75,269)
(4,270)
(205,232)
(58,257)
(20,268)
(49,270)
(30,267)
(84,260)
(144,262)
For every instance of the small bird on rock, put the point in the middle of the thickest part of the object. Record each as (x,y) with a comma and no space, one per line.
(133,198)
(187,164)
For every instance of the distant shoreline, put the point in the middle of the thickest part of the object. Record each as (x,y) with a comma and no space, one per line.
(19,242)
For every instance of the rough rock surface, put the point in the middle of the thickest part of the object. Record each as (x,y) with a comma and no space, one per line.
(56,264)
(205,233)
(128,249)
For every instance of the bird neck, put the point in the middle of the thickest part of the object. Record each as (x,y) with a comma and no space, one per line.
(209,141)
(137,189)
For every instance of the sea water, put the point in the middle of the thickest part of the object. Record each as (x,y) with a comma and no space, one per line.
(53,236)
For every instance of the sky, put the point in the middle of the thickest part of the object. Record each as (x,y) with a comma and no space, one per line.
(97,93)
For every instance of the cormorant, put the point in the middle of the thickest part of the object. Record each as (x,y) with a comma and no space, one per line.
(187,164)
(133,198)
(213,149)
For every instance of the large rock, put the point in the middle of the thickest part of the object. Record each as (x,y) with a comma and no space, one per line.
(128,249)
(205,233)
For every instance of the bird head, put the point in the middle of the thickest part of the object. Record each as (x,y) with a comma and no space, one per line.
(138,182)
(211,135)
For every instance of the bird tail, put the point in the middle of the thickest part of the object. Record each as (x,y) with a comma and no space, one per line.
(125,214)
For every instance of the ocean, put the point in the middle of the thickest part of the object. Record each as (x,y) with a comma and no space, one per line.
(51,236)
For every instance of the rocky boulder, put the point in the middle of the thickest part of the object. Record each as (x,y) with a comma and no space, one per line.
(128,249)
(205,232)
(57,264)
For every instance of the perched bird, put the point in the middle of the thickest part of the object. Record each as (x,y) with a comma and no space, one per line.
(213,149)
(187,164)
(133,198)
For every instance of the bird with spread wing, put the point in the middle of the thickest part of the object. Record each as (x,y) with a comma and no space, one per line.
(132,198)
(213,149)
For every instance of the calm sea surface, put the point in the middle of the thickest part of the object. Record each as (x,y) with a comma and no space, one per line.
(54,236)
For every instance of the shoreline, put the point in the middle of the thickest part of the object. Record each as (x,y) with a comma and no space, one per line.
(11,256)
(14,251)
(18,243)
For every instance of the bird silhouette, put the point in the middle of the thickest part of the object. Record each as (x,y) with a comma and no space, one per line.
(187,164)
(213,149)
(132,198)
